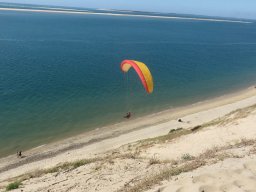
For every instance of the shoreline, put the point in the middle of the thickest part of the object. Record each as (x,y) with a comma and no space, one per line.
(122,15)
(103,139)
(189,108)
(175,111)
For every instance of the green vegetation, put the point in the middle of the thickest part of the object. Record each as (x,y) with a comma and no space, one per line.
(154,160)
(71,165)
(14,185)
(162,139)
(162,175)
(55,169)
(187,157)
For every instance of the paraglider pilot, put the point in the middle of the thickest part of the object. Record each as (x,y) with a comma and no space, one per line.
(128,115)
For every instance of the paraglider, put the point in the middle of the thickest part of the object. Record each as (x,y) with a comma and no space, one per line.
(142,71)
(144,74)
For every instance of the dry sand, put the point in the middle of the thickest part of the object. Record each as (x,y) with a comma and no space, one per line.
(231,175)
(127,162)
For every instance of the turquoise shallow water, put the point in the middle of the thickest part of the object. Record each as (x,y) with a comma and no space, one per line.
(60,74)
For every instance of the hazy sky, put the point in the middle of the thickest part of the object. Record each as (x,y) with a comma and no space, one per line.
(230,8)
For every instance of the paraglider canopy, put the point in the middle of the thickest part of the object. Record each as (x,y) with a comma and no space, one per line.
(142,71)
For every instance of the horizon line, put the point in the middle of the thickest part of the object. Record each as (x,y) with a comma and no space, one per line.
(65,11)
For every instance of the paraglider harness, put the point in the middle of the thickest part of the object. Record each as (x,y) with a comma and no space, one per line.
(128,115)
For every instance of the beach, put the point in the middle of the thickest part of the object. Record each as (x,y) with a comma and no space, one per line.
(219,132)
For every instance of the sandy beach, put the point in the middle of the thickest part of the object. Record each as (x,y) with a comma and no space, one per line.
(215,140)
(73,11)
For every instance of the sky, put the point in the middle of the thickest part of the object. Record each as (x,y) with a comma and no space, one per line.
(224,8)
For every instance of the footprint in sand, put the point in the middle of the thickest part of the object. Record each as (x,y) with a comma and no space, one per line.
(184,189)
(247,184)
(203,178)
(230,188)
(208,188)
(239,171)
(251,166)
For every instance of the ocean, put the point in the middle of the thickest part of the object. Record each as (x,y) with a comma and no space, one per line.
(60,73)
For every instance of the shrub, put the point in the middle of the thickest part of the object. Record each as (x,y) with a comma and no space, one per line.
(187,157)
(14,185)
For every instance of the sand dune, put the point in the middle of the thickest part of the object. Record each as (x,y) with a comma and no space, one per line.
(231,175)
(215,144)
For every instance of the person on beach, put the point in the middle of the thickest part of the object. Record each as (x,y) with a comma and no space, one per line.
(128,115)
(19,154)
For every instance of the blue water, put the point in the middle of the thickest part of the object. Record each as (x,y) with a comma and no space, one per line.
(60,74)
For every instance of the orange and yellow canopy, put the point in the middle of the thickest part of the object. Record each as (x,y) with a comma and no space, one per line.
(142,71)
